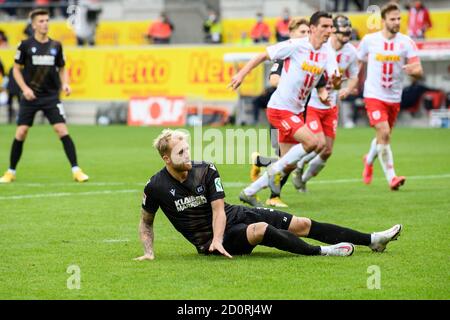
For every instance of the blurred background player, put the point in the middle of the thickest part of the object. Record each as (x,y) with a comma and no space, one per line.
(305,61)
(260,32)
(389,54)
(43,77)
(322,119)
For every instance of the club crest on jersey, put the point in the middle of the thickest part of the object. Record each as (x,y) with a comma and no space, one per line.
(33,49)
(314,125)
(172,191)
(200,189)
(53,51)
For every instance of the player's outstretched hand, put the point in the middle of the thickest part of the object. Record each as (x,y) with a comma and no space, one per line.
(67,90)
(217,245)
(145,257)
(29,94)
(235,81)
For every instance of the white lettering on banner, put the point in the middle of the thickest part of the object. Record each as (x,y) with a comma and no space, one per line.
(43,60)
(157,111)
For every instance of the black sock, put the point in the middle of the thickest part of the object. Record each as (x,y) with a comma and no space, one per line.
(69,148)
(282,183)
(332,234)
(287,241)
(265,161)
(16,153)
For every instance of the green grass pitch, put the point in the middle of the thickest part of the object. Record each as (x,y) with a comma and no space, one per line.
(48,223)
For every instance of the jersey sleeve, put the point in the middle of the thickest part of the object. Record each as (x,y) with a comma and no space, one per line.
(322,82)
(411,50)
(21,52)
(60,59)
(362,50)
(277,67)
(214,187)
(282,50)
(353,68)
(149,201)
(332,65)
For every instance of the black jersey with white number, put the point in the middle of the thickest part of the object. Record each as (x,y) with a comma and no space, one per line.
(188,204)
(41,63)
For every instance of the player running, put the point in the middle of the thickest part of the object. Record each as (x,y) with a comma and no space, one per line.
(322,119)
(389,54)
(298,28)
(305,61)
(43,77)
(191,195)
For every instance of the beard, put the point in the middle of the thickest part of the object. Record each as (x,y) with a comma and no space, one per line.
(181,167)
(394,30)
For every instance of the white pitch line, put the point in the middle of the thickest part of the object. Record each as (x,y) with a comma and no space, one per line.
(116,240)
(66,194)
(229,185)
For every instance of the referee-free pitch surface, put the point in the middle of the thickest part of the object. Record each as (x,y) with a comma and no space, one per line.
(55,232)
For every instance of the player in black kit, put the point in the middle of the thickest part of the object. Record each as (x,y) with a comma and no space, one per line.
(43,77)
(191,195)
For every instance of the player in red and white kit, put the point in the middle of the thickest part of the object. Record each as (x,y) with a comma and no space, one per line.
(389,54)
(305,61)
(322,119)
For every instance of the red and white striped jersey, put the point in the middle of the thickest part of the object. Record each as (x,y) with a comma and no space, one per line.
(303,67)
(348,67)
(385,59)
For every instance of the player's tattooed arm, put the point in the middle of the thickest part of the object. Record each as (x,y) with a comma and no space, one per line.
(146,234)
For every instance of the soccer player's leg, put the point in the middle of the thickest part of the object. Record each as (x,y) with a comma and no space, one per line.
(55,115)
(328,124)
(308,143)
(24,122)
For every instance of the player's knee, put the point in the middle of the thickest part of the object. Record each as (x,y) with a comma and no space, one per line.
(310,144)
(290,168)
(326,153)
(255,232)
(61,130)
(21,133)
(300,226)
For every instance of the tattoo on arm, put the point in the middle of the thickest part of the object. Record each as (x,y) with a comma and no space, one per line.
(146,231)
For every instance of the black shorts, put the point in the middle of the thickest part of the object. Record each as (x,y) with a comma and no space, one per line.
(235,237)
(52,108)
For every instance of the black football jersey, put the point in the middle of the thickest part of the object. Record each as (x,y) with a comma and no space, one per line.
(188,204)
(41,63)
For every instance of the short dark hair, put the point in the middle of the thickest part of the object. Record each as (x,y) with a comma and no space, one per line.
(315,18)
(388,7)
(295,23)
(38,12)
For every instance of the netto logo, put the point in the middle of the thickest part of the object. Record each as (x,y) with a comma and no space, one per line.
(142,70)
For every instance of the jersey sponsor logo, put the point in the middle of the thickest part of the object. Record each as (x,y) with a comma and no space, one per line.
(190,202)
(218,184)
(311,68)
(376,115)
(314,125)
(44,60)
(172,191)
(387,58)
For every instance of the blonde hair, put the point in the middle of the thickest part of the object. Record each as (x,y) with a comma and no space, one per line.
(162,142)
(297,22)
